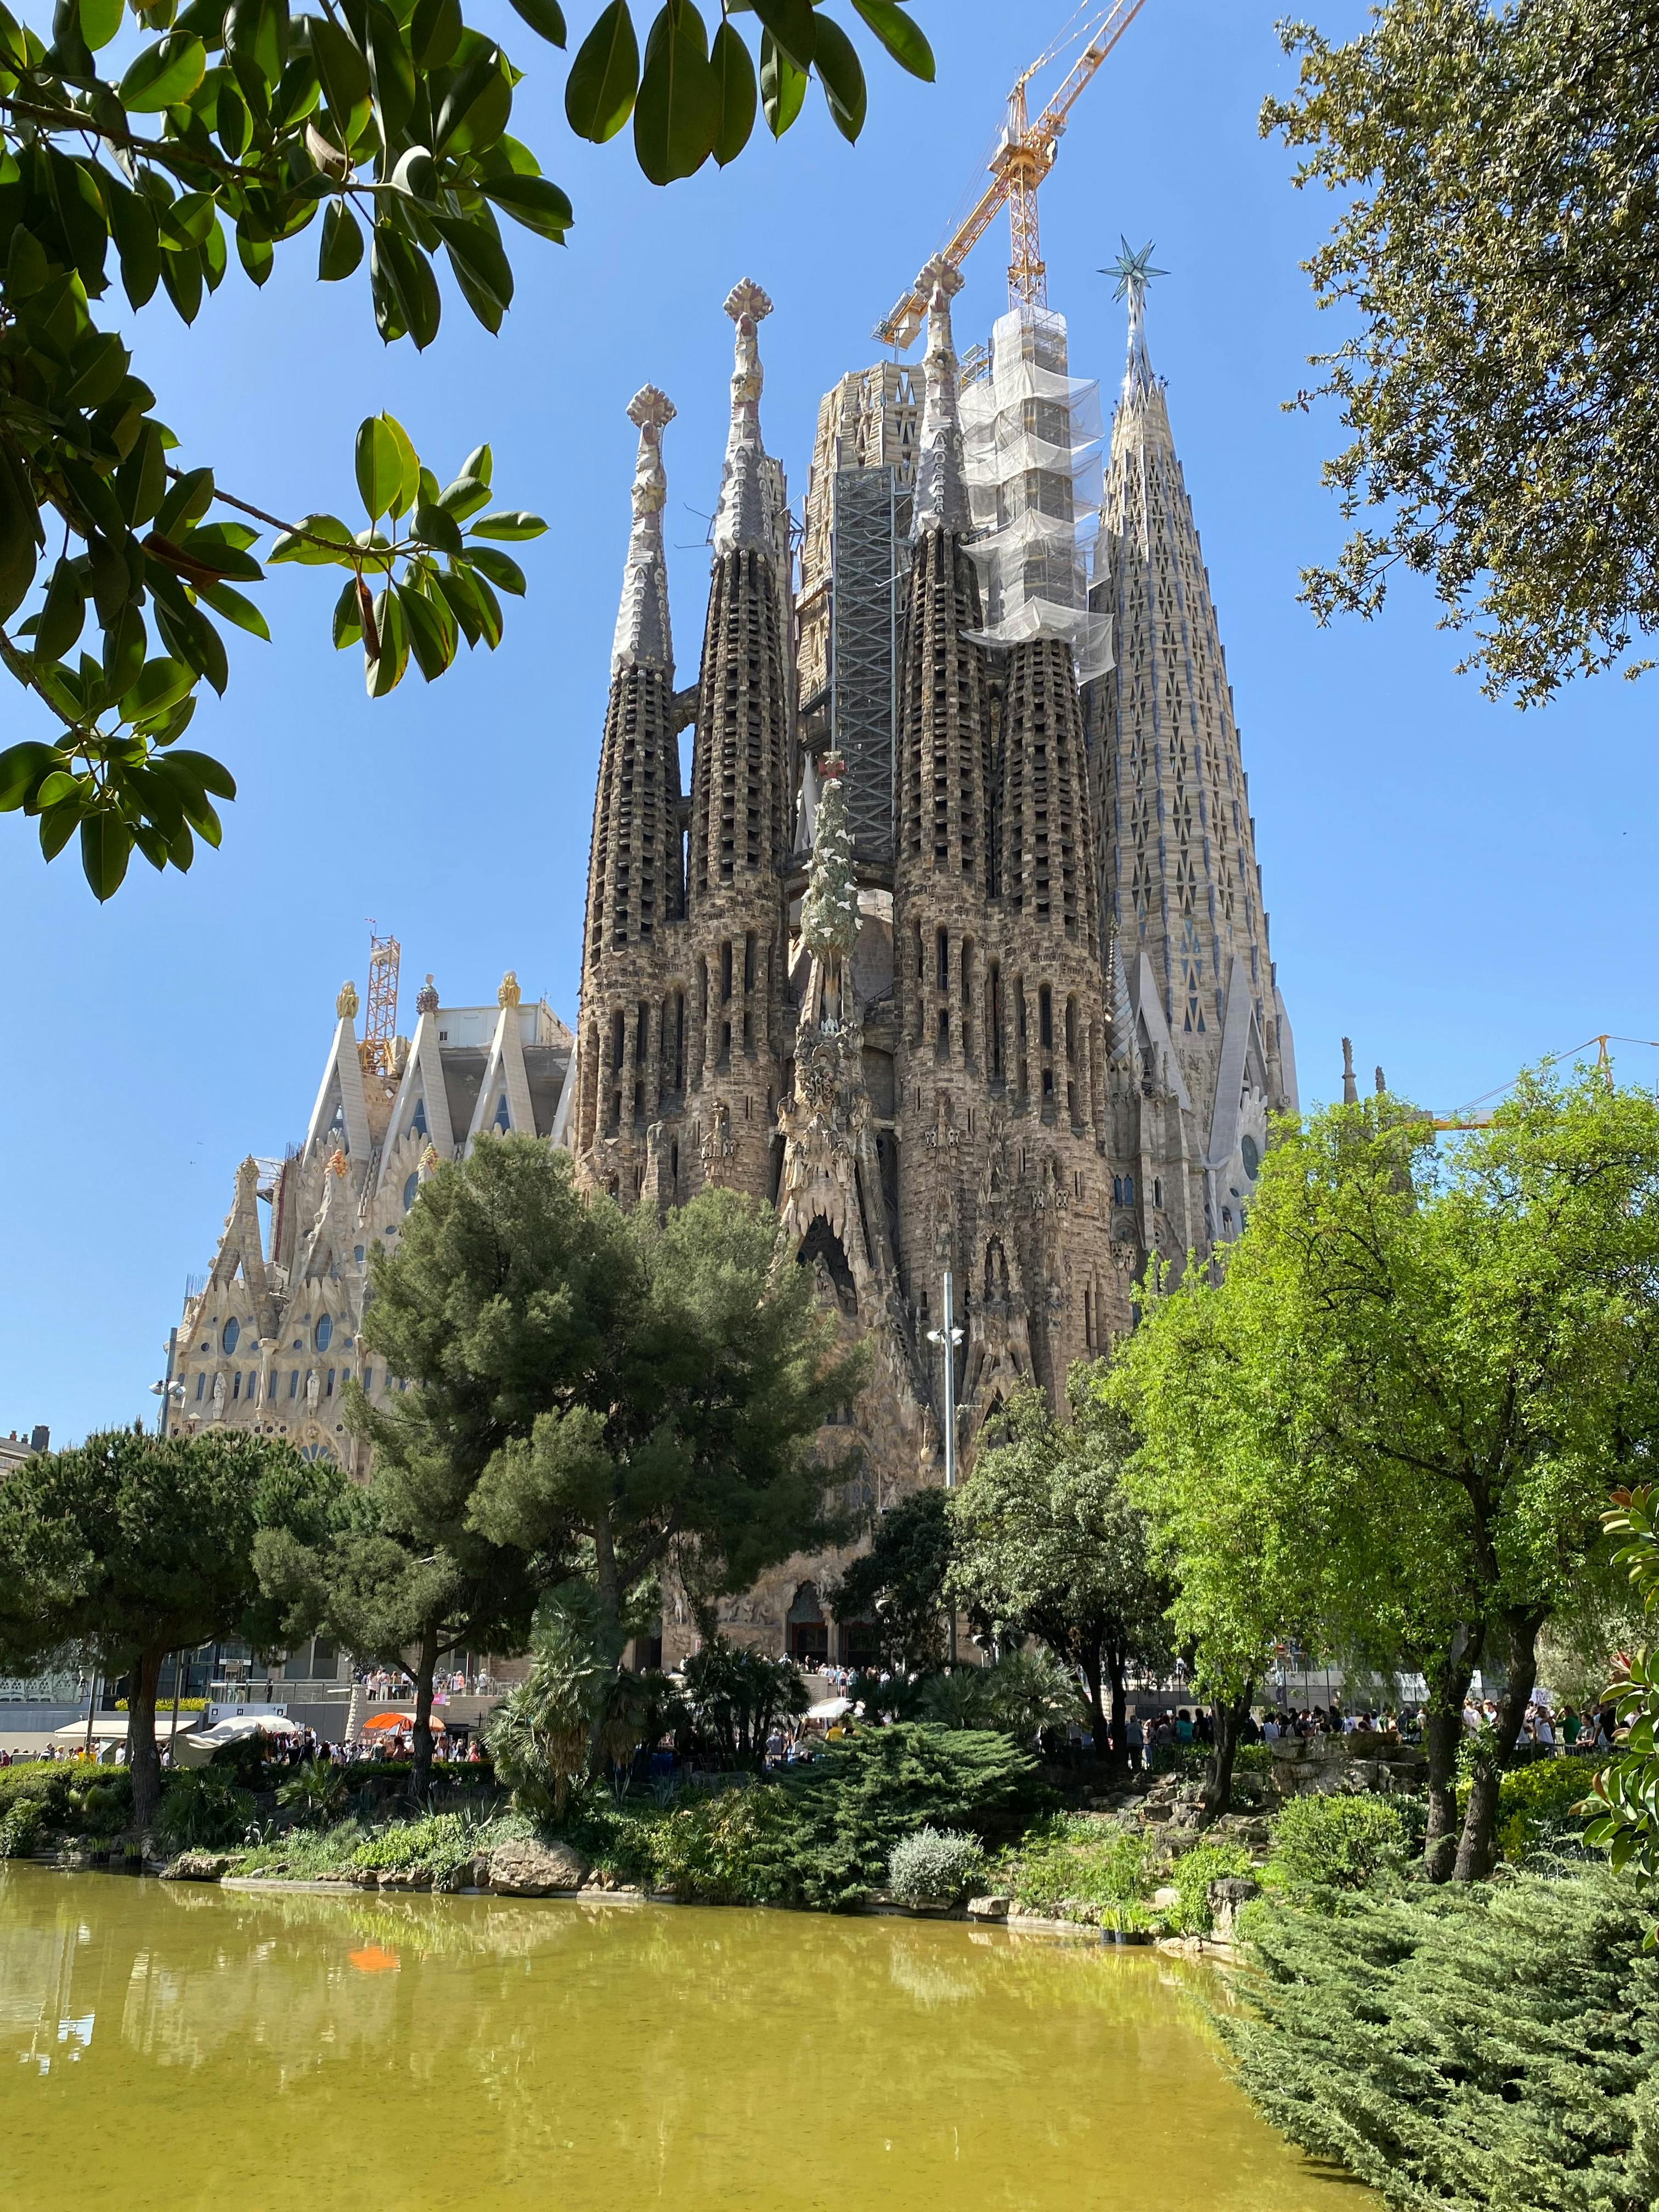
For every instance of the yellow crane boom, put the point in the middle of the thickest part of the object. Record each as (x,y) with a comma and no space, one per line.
(1024,154)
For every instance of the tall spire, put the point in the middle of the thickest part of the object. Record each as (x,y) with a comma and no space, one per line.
(643,637)
(1134,270)
(941,497)
(748,512)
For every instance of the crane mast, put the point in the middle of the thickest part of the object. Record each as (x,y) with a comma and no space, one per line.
(1025,154)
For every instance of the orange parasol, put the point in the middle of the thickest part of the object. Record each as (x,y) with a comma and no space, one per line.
(404,1721)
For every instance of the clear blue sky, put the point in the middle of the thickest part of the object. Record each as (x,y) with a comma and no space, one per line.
(1459,886)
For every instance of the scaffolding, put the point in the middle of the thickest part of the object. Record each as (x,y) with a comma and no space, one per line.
(381,1015)
(1031,447)
(870,521)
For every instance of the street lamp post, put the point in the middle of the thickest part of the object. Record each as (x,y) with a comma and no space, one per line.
(949,1336)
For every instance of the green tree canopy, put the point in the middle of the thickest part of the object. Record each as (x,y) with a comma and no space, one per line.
(1049,1544)
(1393,1416)
(1495,171)
(898,1586)
(133,1545)
(589,1392)
(139,142)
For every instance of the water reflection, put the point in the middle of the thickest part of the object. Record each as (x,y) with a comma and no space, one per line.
(329,2051)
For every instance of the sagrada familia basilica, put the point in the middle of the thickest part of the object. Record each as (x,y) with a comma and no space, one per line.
(955,953)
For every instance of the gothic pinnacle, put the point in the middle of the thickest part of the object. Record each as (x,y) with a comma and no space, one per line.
(643,636)
(742,517)
(941,500)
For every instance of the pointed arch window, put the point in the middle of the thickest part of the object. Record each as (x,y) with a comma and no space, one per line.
(411,1191)
(418,1122)
(504,1120)
(228,1336)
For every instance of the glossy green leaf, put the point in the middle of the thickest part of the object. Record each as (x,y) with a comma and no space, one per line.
(343,73)
(236,609)
(181,278)
(434,527)
(604,76)
(20,527)
(307,554)
(677,116)
(342,246)
(479,263)
(58,824)
(501,568)
(64,613)
(27,269)
(215,547)
(391,73)
(22,768)
(204,771)
(160,684)
(187,501)
(141,482)
(164,74)
(476,107)
(545,17)
(463,497)
(782,86)
(431,639)
(536,202)
(841,74)
(416,175)
(506,523)
(902,36)
(232,123)
(132,225)
(435,31)
(106,848)
(388,469)
(384,671)
(734,75)
(100,21)
(348,625)
(257,255)
(256,35)
(793,27)
(406,291)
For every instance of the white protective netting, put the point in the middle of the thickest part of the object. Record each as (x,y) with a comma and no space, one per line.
(1031,452)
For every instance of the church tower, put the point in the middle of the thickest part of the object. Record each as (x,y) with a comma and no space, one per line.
(633,1001)
(1203,1052)
(741,798)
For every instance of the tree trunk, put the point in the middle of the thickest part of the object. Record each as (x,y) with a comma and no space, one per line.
(1477,1847)
(143,1760)
(420,1771)
(609,1635)
(1115,1660)
(1094,1674)
(1448,1679)
(1229,1716)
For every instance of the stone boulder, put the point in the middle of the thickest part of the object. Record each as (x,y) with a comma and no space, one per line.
(197,1865)
(1226,1896)
(988,1908)
(536,1869)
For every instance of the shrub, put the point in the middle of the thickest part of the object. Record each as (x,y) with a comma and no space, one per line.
(1080,1856)
(1338,1842)
(1464,2046)
(202,1810)
(1192,1874)
(443,1845)
(935,1866)
(1192,1760)
(19,1827)
(317,1791)
(1536,1807)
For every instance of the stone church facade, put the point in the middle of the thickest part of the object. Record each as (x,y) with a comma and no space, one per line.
(953,953)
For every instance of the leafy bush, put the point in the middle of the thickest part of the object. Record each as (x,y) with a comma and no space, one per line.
(958,1698)
(1338,1842)
(1465,2045)
(1192,1760)
(820,1835)
(935,1866)
(1536,1807)
(202,1810)
(19,1827)
(1192,1874)
(1080,1856)
(1030,1692)
(442,1845)
(317,1790)
(304,1854)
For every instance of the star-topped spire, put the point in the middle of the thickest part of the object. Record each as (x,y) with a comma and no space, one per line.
(643,638)
(1134,270)
(743,516)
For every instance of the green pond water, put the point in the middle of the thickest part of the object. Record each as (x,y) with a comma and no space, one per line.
(165,2048)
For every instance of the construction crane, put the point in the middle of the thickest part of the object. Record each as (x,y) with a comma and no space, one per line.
(380,1018)
(1469,1116)
(1023,157)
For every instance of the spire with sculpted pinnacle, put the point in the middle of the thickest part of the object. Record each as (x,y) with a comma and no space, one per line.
(633,882)
(742,810)
(941,497)
(1181,883)
(945,720)
(644,638)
